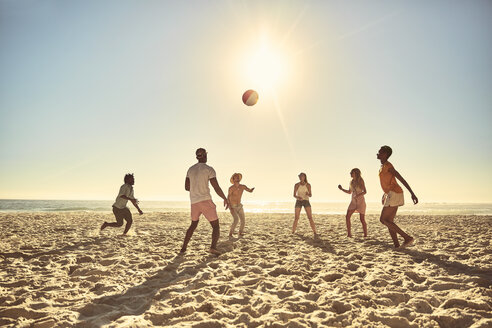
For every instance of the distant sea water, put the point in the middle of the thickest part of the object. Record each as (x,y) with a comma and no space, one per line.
(17,205)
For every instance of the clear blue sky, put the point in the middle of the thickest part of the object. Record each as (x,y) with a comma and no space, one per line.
(90,90)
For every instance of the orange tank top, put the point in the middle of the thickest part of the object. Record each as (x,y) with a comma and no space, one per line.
(388,180)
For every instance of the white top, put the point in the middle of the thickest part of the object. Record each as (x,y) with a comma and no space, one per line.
(125,190)
(302,192)
(357,190)
(199,174)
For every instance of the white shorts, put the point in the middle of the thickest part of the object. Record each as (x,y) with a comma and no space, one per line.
(393,199)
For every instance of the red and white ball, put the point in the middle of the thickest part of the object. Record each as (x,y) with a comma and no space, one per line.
(250,97)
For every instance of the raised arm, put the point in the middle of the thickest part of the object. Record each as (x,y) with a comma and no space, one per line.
(219,191)
(344,190)
(404,182)
(187,184)
(247,189)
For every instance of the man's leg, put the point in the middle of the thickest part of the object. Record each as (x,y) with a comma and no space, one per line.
(119,219)
(296,218)
(310,217)
(188,235)
(387,218)
(129,220)
(215,234)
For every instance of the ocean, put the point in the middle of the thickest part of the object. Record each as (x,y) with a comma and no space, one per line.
(17,205)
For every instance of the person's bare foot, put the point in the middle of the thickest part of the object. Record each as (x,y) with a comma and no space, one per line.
(182,251)
(407,243)
(103,226)
(214,251)
(350,236)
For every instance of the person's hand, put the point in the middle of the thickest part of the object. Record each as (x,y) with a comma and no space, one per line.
(415,199)
(226,204)
(299,198)
(252,189)
(140,212)
(340,187)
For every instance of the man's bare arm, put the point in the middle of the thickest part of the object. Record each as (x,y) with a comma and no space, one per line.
(187,184)
(219,191)
(404,182)
(134,202)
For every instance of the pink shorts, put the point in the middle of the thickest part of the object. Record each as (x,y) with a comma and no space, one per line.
(207,208)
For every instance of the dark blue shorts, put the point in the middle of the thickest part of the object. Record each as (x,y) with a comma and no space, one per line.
(301,203)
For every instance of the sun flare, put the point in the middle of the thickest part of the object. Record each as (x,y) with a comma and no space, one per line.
(266,67)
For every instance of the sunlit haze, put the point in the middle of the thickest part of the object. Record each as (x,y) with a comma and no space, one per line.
(91,90)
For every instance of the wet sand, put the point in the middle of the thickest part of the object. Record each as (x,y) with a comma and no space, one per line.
(59,270)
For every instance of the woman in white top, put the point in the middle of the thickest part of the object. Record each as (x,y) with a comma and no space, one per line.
(358,204)
(302,192)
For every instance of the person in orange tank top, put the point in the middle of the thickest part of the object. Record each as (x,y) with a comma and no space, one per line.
(393,197)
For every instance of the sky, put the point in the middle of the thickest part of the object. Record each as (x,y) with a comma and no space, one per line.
(91,90)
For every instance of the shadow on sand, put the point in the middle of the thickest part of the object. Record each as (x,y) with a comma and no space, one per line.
(26,255)
(138,299)
(451,267)
(324,245)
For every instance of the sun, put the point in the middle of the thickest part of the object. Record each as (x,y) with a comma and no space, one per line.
(266,67)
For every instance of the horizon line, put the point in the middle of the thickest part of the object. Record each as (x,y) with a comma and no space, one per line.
(247,201)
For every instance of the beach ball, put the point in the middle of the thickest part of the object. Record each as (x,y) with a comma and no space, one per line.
(250,97)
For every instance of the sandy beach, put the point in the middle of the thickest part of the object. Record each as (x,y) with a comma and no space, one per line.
(59,270)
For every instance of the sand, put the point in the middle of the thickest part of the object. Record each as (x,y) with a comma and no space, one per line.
(58,270)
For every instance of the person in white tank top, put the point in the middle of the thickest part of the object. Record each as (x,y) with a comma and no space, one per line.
(302,192)
(357,188)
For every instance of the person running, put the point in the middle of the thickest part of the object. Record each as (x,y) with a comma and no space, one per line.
(393,197)
(302,192)
(120,210)
(236,208)
(357,188)
(196,183)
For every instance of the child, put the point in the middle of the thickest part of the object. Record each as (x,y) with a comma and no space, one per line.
(236,208)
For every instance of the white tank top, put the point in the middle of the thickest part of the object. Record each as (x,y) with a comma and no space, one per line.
(302,192)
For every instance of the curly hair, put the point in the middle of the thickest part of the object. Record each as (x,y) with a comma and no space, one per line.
(128,176)
(387,150)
